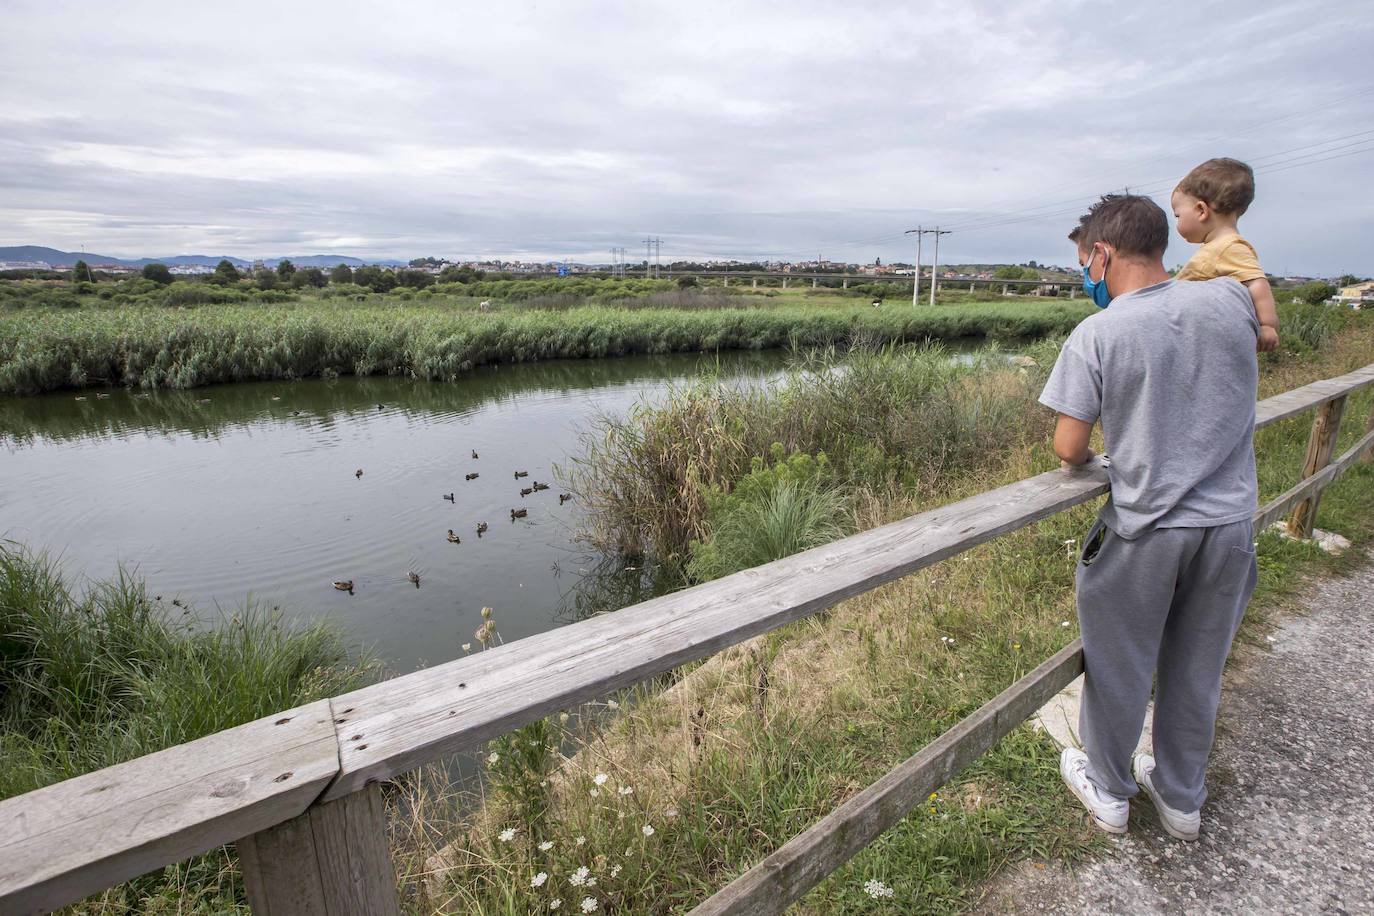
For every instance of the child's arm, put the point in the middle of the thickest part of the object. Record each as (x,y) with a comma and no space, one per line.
(1263,298)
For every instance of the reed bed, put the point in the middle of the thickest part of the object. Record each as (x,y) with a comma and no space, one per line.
(158,347)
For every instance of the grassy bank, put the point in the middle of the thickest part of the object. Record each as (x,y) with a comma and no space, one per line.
(89,679)
(752,746)
(45,349)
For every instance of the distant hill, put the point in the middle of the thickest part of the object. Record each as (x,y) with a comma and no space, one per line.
(66,258)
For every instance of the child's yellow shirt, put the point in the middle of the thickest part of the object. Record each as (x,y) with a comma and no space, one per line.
(1228,256)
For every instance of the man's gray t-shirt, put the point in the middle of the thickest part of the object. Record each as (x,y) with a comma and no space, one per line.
(1171,372)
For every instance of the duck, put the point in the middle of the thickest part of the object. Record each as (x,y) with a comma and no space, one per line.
(518,513)
(358,473)
(539,486)
(453,538)
(344,585)
(381,407)
(526,491)
(100,395)
(519,474)
(414,577)
(79,397)
(449,497)
(474,454)
(564,497)
(472,476)
(481,527)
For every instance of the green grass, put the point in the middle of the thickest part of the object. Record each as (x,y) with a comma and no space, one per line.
(439,339)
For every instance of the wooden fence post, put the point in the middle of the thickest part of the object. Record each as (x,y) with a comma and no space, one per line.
(1369,456)
(333,860)
(1320,444)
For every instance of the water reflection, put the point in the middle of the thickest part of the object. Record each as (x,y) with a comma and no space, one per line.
(222,493)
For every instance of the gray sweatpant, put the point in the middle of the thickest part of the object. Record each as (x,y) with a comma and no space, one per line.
(1165,605)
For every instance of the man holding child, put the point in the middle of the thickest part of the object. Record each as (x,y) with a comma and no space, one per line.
(1168,368)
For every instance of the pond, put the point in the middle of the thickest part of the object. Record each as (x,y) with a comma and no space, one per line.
(250,493)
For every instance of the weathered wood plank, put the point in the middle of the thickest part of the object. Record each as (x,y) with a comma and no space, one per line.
(805,860)
(400,724)
(1291,403)
(71,839)
(1369,456)
(333,860)
(1320,443)
(1275,510)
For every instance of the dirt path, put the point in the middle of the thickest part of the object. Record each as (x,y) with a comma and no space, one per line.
(1289,827)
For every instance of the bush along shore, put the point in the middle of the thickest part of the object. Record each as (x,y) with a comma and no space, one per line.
(46,349)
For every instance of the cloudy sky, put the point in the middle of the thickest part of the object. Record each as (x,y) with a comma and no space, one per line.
(730,130)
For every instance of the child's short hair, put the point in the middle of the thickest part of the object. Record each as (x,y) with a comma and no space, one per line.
(1227,185)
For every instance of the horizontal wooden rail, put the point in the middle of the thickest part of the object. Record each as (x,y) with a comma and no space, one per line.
(85,834)
(79,836)
(804,861)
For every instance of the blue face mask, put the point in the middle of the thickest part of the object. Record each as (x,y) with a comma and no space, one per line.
(1096,289)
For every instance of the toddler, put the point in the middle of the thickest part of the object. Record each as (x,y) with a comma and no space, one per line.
(1207,204)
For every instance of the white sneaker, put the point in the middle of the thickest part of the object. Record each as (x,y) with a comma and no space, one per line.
(1179,824)
(1109,814)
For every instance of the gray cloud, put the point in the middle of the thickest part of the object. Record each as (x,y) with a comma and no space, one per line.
(731,130)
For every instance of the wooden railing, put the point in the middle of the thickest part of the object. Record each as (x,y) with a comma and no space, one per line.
(299,791)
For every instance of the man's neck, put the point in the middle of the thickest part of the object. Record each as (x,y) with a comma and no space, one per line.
(1131,275)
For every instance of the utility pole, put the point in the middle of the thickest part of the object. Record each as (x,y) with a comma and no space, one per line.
(916,278)
(648,257)
(658,250)
(935,260)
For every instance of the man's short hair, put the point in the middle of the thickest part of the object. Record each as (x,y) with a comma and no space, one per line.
(1227,185)
(1132,224)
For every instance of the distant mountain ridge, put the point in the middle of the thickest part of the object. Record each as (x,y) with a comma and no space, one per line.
(59,258)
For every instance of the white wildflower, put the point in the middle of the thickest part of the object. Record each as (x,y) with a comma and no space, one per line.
(580,840)
(539,879)
(546,846)
(507,835)
(579,877)
(1064,624)
(876,889)
(647,830)
(589,905)
(591,881)
(555,903)
(493,757)
(600,779)
(594,792)
(612,704)
(467,647)
(626,790)
(615,870)
(670,812)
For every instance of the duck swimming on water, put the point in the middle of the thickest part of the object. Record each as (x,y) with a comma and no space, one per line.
(344,585)
(453,538)
(481,527)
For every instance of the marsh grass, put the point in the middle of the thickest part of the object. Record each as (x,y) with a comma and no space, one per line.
(45,349)
(888,419)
